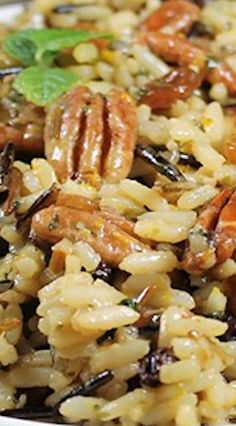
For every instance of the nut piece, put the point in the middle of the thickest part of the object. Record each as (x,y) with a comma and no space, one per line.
(90,137)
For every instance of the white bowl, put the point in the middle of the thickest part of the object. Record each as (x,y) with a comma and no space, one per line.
(8,13)
(6,421)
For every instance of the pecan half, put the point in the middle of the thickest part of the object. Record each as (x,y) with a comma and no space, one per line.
(78,219)
(90,137)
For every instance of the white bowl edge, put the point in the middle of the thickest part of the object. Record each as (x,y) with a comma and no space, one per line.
(8,13)
(9,421)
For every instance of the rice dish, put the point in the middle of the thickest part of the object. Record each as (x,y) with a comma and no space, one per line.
(118,213)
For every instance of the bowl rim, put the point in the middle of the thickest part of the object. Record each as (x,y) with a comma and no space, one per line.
(9,11)
(10,421)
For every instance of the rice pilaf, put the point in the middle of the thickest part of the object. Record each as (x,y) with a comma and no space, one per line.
(118,213)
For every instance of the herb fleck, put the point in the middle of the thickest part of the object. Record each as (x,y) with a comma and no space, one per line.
(54,222)
(131,303)
(220,316)
(16,204)
(141,92)
(85,109)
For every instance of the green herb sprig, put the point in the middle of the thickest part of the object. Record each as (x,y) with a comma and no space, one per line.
(42,45)
(43,85)
(37,50)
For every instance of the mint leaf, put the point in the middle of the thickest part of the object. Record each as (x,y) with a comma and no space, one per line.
(33,45)
(43,85)
(48,58)
(20,47)
(58,39)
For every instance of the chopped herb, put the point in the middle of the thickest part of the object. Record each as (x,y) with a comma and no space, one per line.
(16,204)
(54,222)
(198,230)
(96,407)
(85,109)
(143,72)
(131,303)
(201,126)
(141,92)
(221,316)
